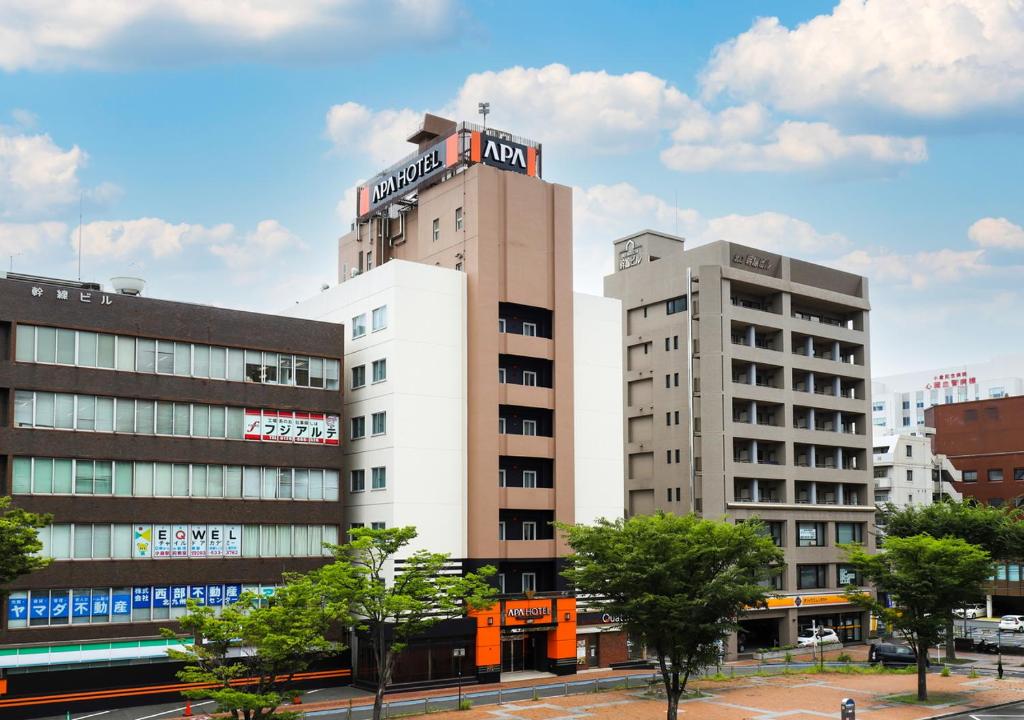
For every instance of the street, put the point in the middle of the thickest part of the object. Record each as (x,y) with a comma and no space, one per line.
(1010,711)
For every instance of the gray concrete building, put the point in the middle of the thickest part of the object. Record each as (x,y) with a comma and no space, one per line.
(747,393)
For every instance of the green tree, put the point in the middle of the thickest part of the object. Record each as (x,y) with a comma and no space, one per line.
(389,611)
(997,530)
(19,541)
(678,582)
(926,578)
(267,640)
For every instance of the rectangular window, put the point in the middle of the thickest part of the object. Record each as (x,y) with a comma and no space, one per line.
(675,305)
(25,343)
(848,532)
(529,478)
(501,529)
(218,363)
(357,480)
(435,230)
(379,478)
(1018,473)
(529,378)
(847,575)
(910,476)
(810,577)
(125,415)
(380,318)
(302,370)
(332,374)
(995,475)
(236,364)
(810,534)
(86,347)
(182,359)
(529,427)
(201,361)
(378,525)
(358,326)
(316,372)
(970,476)
(529,582)
(46,344)
(22,477)
(358,427)
(458,218)
(529,530)
(358,376)
(380,370)
(380,423)
(910,451)
(530,329)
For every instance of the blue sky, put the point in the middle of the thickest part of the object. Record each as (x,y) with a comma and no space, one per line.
(216,149)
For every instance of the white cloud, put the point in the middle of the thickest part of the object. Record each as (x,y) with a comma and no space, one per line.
(997,233)
(775,232)
(117,33)
(36,174)
(123,238)
(931,58)
(269,239)
(916,270)
(790,146)
(29,238)
(381,135)
(24,118)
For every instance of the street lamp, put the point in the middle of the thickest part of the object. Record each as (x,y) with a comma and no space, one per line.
(999,648)
(484,108)
(459,653)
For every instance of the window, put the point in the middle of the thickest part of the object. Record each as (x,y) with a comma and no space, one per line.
(435,233)
(529,378)
(501,478)
(529,582)
(970,476)
(502,375)
(358,376)
(775,529)
(501,425)
(995,475)
(810,577)
(380,318)
(501,530)
(810,534)
(357,480)
(379,478)
(529,427)
(848,532)
(910,450)
(529,530)
(529,478)
(847,575)
(380,423)
(910,476)
(359,326)
(501,325)
(530,329)
(369,260)
(501,583)
(1018,473)
(358,427)
(379,525)
(667,340)
(380,370)
(906,404)
(458,218)
(675,305)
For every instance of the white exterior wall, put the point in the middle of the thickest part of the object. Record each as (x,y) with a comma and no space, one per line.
(597,396)
(424,395)
(892,465)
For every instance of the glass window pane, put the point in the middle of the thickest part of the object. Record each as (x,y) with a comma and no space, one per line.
(165,357)
(44,410)
(25,343)
(198,481)
(83,541)
(84,477)
(316,484)
(182,358)
(125,421)
(104,479)
(62,476)
(143,479)
(105,352)
(218,363)
(330,536)
(86,412)
(125,353)
(236,364)
(201,361)
(284,540)
(145,417)
(216,421)
(100,605)
(233,482)
(316,372)
(162,480)
(147,355)
(302,371)
(24,402)
(22,475)
(86,348)
(101,541)
(235,423)
(215,481)
(301,484)
(269,491)
(332,370)
(250,541)
(66,347)
(253,365)
(251,483)
(330,485)
(42,475)
(22,597)
(300,539)
(122,542)
(105,414)
(200,420)
(182,415)
(46,344)
(284,367)
(65,409)
(284,483)
(165,418)
(123,478)
(270,367)
(180,484)
(316,539)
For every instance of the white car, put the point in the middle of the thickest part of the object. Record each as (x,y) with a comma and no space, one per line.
(821,636)
(1013,623)
(970,612)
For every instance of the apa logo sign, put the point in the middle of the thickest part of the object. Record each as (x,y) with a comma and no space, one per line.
(528,612)
(505,153)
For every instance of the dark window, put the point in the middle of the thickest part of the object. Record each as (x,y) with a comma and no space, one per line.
(906,404)
(995,475)
(847,575)
(677,417)
(666,343)
(910,451)
(809,577)
(677,495)
(675,379)
(669,491)
(675,342)
(668,456)
(775,530)
(675,305)
(970,416)
(677,455)
(1018,473)
(668,418)
(848,532)
(970,476)
(668,381)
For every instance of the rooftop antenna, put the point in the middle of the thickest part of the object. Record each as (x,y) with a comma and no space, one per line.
(13,255)
(676,200)
(484,108)
(80,194)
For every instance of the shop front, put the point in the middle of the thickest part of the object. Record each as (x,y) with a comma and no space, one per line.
(537,634)
(784,618)
(601,642)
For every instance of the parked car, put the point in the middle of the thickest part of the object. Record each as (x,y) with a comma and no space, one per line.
(1013,623)
(970,611)
(891,654)
(819,636)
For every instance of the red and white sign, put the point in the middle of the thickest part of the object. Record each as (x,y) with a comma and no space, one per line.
(946,380)
(288,426)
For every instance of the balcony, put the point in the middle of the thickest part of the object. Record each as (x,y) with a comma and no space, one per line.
(824,493)
(759,491)
(526,396)
(526,549)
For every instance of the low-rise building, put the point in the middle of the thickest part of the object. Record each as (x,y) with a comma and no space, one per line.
(908,473)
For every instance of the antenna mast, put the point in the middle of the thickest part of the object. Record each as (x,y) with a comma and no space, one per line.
(80,236)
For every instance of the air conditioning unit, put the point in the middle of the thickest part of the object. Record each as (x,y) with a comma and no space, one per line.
(353,272)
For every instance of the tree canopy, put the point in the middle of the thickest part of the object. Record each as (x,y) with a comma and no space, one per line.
(19,541)
(926,578)
(1000,531)
(677,582)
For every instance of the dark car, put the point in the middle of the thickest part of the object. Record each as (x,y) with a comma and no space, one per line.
(891,654)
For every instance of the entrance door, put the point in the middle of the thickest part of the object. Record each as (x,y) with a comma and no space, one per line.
(515,653)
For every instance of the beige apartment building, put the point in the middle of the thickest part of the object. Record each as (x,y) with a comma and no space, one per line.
(747,393)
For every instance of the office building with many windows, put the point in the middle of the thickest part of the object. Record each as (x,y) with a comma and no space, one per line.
(184,451)
(746,393)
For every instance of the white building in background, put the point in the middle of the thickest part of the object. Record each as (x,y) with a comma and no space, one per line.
(899,401)
(406,377)
(907,472)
